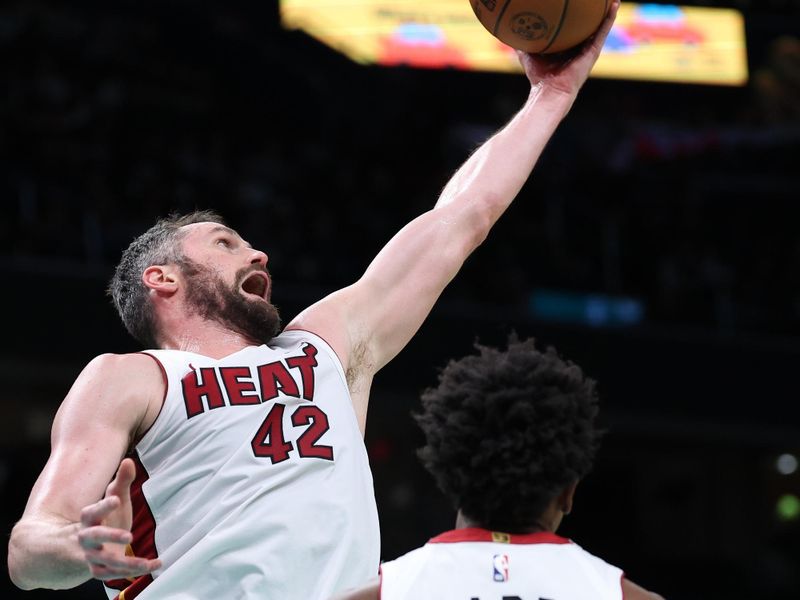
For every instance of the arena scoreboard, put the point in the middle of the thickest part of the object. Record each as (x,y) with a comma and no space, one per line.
(649,42)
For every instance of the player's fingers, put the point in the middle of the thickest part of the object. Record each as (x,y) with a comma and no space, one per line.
(594,45)
(103,567)
(608,22)
(95,537)
(121,563)
(95,513)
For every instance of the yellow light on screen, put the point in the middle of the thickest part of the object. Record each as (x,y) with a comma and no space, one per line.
(651,42)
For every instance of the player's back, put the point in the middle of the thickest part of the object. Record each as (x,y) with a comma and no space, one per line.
(476,564)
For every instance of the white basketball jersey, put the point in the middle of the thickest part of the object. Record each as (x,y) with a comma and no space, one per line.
(254,481)
(476,564)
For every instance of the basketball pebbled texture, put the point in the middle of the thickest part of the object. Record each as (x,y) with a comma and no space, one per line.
(540,26)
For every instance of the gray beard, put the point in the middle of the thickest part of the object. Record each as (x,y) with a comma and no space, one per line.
(209,297)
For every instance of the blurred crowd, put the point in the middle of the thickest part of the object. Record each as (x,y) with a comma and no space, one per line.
(682,197)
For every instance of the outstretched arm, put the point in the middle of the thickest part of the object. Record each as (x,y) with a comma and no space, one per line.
(76,524)
(501,166)
(369,322)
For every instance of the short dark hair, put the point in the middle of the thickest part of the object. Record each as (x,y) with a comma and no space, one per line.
(507,431)
(158,245)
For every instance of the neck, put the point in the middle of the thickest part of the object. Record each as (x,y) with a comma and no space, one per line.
(464,522)
(204,337)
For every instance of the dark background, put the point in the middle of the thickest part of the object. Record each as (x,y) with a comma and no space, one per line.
(680,196)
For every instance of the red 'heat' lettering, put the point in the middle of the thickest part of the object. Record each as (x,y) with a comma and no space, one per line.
(193,391)
(275,378)
(306,364)
(202,388)
(236,388)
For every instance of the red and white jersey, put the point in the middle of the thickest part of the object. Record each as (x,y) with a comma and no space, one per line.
(254,481)
(477,564)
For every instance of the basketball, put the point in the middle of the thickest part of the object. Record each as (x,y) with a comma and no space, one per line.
(541,26)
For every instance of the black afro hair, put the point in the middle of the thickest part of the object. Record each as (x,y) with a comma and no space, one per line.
(507,431)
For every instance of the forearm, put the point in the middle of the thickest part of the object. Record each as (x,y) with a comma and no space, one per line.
(46,555)
(495,173)
(410,272)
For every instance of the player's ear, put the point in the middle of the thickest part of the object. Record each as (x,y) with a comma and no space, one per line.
(161,278)
(566,497)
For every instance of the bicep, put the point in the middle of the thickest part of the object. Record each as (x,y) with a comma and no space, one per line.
(384,309)
(370,321)
(400,287)
(91,433)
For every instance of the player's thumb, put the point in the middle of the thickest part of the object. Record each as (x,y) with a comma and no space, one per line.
(121,484)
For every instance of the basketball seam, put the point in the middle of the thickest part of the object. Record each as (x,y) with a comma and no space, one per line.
(500,17)
(558,28)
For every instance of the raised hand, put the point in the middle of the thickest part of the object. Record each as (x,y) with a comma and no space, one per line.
(106,531)
(567,71)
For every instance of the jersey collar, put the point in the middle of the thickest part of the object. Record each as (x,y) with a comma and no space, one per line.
(476,534)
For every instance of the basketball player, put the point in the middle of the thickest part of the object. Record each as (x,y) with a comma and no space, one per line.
(508,436)
(234,452)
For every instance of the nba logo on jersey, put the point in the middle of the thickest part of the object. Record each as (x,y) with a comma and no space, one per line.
(500,564)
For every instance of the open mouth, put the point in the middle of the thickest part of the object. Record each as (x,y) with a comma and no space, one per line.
(256,284)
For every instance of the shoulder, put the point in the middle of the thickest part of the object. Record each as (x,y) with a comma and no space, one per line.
(612,576)
(123,368)
(370,591)
(408,563)
(115,397)
(330,320)
(131,360)
(132,383)
(594,559)
(631,591)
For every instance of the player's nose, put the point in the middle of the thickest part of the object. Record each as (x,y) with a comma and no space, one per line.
(257,257)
